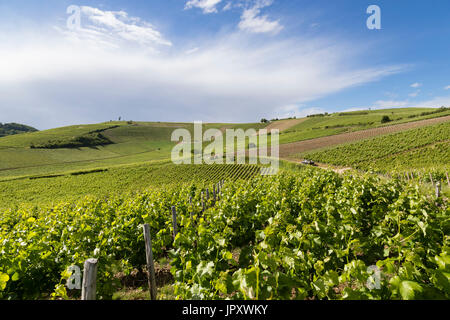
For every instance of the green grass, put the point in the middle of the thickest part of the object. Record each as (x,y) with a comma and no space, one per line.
(317,127)
(421,148)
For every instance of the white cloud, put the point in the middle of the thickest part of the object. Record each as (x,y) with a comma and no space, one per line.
(387,104)
(447,88)
(208,6)
(296,111)
(191,51)
(115,28)
(228,6)
(414,94)
(48,81)
(253,22)
(416,85)
(432,103)
(251,19)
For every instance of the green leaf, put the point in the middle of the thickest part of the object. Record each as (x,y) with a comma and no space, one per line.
(205,269)
(4,278)
(15,277)
(227,255)
(443,262)
(410,290)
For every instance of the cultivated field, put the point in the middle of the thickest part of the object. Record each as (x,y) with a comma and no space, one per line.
(430,143)
(290,149)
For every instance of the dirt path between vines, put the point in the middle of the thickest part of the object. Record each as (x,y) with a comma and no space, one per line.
(288,151)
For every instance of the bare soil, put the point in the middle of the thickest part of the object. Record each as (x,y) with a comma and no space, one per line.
(284,124)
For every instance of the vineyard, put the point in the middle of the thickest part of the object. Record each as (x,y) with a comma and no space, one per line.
(424,148)
(312,234)
(48,189)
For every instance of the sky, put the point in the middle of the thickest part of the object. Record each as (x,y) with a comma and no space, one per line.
(217,60)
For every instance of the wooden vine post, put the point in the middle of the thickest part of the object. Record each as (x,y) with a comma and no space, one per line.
(448,180)
(174,222)
(150,263)
(203,203)
(438,190)
(89,289)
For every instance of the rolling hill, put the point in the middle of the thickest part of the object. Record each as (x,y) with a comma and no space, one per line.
(7,129)
(64,157)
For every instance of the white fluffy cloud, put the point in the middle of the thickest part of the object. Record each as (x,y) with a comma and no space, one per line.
(208,6)
(253,21)
(114,29)
(447,88)
(416,85)
(51,80)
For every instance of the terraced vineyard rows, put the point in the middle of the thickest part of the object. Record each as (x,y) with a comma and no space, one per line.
(379,153)
(220,172)
(292,150)
(48,190)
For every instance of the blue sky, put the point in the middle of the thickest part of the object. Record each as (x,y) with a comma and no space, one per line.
(218,60)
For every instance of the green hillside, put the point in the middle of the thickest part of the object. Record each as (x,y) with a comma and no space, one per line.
(336,123)
(53,152)
(421,148)
(129,142)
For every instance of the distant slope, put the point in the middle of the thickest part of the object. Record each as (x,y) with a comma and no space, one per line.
(8,129)
(138,142)
(345,122)
(294,150)
(131,142)
(420,148)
